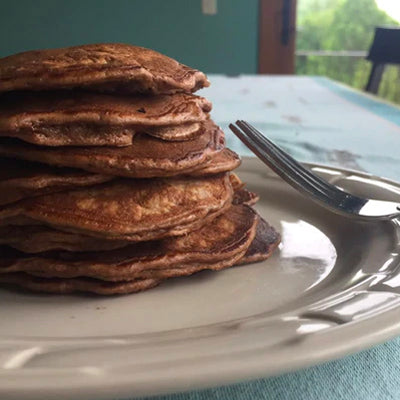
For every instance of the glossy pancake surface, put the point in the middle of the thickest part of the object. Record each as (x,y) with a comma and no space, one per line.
(146,157)
(128,209)
(106,67)
(21,179)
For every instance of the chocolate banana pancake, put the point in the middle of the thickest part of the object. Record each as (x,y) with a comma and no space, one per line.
(262,246)
(175,133)
(146,157)
(109,67)
(21,179)
(74,135)
(244,196)
(222,161)
(92,135)
(241,194)
(227,238)
(66,286)
(91,119)
(41,238)
(127,209)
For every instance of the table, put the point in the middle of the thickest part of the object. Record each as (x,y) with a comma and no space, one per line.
(316,120)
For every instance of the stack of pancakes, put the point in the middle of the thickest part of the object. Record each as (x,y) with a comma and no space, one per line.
(113,177)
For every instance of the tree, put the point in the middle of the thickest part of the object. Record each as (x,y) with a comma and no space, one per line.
(343,25)
(353,25)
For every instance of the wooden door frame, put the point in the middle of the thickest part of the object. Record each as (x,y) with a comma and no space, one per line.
(276,36)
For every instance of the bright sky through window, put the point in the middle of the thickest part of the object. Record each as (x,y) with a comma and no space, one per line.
(391,7)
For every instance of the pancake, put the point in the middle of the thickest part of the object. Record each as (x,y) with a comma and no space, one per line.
(146,157)
(241,194)
(40,238)
(90,119)
(127,209)
(74,135)
(244,196)
(174,133)
(223,161)
(66,286)
(92,135)
(21,179)
(214,246)
(104,67)
(266,240)
(262,246)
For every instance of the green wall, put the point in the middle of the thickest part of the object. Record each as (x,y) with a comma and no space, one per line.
(221,43)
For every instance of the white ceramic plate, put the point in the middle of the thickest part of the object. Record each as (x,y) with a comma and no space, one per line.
(333,288)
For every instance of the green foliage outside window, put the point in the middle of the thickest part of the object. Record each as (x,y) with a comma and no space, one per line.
(343,25)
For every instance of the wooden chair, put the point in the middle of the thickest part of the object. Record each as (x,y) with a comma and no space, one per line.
(385,49)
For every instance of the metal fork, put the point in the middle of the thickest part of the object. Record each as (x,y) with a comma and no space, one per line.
(310,184)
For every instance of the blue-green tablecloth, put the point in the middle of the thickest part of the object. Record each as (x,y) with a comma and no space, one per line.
(370,375)
(316,120)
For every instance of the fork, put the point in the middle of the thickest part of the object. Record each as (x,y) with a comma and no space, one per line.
(308,183)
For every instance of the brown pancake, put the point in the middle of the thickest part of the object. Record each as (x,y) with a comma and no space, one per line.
(244,196)
(127,209)
(174,133)
(75,135)
(223,161)
(56,119)
(65,286)
(21,179)
(215,246)
(262,246)
(92,135)
(40,238)
(146,157)
(104,67)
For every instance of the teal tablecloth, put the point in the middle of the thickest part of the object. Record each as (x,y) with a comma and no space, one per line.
(370,375)
(316,120)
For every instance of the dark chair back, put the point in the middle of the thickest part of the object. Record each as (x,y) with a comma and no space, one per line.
(385,49)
